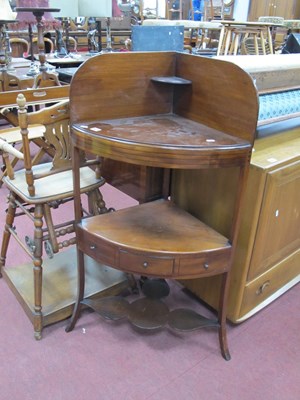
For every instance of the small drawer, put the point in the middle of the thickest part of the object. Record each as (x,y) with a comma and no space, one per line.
(146,265)
(266,285)
(203,265)
(95,248)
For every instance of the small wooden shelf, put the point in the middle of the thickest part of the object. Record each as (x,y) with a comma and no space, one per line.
(155,239)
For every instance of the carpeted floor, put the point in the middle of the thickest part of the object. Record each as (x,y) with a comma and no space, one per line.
(103,360)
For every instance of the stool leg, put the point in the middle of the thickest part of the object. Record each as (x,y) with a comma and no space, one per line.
(221,44)
(262,42)
(228,39)
(222,317)
(80,290)
(235,44)
(270,40)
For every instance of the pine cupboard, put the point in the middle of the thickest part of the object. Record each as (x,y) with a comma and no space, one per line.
(267,261)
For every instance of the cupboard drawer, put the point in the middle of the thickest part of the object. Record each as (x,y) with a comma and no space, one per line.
(260,289)
(147,265)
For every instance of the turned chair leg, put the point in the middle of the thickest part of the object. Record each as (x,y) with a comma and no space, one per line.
(80,291)
(38,271)
(96,203)
(222,317)
(10,216)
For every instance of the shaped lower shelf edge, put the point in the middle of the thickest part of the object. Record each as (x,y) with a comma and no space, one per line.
(60,284)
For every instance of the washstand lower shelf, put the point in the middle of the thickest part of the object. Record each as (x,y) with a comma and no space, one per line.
(149,311)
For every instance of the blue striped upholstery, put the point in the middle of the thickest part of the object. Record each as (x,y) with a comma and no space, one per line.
(275,105)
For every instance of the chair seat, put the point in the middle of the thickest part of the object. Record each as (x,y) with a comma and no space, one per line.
(58,185)
(13,135)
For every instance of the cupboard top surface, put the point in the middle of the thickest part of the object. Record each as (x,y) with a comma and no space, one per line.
(270,152)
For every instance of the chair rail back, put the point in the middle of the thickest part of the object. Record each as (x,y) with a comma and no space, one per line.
(55,119)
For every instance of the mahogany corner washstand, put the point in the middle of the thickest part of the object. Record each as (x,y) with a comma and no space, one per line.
(176,112)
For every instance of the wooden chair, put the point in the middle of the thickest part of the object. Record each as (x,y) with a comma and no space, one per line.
(19,46)
(9,115)
(212,10)
(46,79)
(79,27)
(252,45)
(12,136)
(36,98)
(8,81)
(48,44)
(72,43)
(38,189)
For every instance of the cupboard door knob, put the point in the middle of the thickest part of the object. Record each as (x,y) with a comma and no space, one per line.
(262,288)
(92,247)
(145,264)
(205,266)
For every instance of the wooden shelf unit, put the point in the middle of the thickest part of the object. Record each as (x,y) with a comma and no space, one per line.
(159,125)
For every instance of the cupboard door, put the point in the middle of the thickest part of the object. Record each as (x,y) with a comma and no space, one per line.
(285,9)
(288,9)
(278,232)
(257,9)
